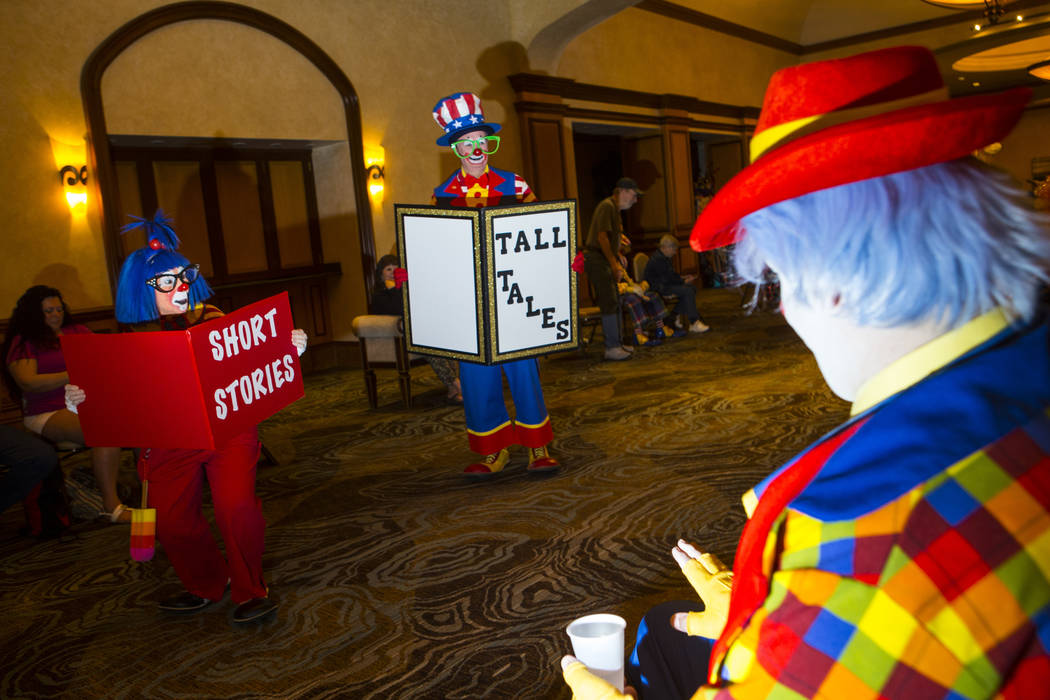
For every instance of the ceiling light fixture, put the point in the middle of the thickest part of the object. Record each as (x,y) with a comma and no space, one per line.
(993,9)
(1040,70)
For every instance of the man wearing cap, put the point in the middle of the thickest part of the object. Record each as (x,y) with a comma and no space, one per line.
(907,552)
(490,429)
(601,261)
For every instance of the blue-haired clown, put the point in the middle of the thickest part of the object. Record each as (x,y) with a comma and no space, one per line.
(157,280)
(159,289)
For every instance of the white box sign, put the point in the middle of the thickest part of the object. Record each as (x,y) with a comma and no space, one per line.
(492,284)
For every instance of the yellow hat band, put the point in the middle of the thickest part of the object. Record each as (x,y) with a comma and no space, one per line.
(779,134)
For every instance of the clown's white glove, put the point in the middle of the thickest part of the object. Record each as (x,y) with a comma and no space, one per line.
(587,686)
(713,582)
(74,397)
(299,341)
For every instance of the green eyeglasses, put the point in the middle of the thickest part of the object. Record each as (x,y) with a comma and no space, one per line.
(465,147)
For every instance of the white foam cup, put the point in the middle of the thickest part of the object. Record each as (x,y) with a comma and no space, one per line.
(597,641)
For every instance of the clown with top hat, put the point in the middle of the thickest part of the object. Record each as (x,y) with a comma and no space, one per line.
(905,554)
(490,429)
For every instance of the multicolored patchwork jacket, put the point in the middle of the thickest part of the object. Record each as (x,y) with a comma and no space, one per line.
(907,553)
(492,187)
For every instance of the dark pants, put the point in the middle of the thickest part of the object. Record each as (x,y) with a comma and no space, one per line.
(28,459)
(666,664)
(686,294)
(600,276)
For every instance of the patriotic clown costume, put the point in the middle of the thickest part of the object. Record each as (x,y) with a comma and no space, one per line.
(160,290)
(906,554)
(490,429)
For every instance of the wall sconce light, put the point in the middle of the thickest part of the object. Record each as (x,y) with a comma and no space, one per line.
(70,176)
(375,171)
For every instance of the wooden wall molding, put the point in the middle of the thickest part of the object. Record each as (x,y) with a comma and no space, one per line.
(657,120)
(569,89)
(685,14)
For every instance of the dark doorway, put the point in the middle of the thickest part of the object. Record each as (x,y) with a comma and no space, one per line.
(599,164)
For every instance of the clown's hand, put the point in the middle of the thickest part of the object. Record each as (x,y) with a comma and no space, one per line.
(74,397)
(713,582)
(400,277)
(299,341)
(587,686)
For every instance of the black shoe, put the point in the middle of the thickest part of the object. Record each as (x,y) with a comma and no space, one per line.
(253,609)
(184,603)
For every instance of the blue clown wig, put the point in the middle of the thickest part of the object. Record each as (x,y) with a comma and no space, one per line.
(942,243)
(136,300)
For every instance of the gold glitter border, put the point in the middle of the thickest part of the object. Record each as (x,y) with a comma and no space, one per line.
(490,280)
(400,212)
(485,273)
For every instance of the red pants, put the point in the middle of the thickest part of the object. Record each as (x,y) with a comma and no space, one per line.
(175,483)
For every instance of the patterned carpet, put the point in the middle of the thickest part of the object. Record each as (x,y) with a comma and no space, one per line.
(396,577)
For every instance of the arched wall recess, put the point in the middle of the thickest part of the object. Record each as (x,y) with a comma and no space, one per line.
(98,137)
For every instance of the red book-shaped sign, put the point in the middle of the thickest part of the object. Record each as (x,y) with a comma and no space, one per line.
(193,389)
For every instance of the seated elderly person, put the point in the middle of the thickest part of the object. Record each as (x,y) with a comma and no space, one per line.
(387,301)
(29,466)
(647,310)
(662,278)
(905,553)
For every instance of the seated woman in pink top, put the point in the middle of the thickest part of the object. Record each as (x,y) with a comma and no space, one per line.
(36,374)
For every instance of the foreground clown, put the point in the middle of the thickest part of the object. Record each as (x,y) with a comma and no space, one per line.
(476,184)
(907,552)
(159,290)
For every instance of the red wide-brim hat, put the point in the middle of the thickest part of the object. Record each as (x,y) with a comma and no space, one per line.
(834,122)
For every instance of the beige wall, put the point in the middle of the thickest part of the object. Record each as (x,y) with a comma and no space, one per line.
(206,78)
(641,50)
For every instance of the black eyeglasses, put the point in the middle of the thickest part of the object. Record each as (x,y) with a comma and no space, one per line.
(167,281)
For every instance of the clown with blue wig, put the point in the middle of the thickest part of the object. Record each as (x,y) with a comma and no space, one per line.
(160,290)
(905,554)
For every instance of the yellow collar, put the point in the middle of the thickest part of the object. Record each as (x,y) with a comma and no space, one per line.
(923,361)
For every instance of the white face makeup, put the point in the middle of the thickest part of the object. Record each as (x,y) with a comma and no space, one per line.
(175,302)
(847,354)
(476,161)
(54,314)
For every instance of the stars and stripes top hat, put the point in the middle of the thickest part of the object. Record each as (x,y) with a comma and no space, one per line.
(460,113)
(834,122)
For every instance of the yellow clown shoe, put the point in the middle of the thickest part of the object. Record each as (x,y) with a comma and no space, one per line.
(541,461)
(489,464)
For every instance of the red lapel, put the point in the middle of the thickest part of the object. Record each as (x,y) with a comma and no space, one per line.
(750,584)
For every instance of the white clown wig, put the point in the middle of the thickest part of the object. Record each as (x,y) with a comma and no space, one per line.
(945,243)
